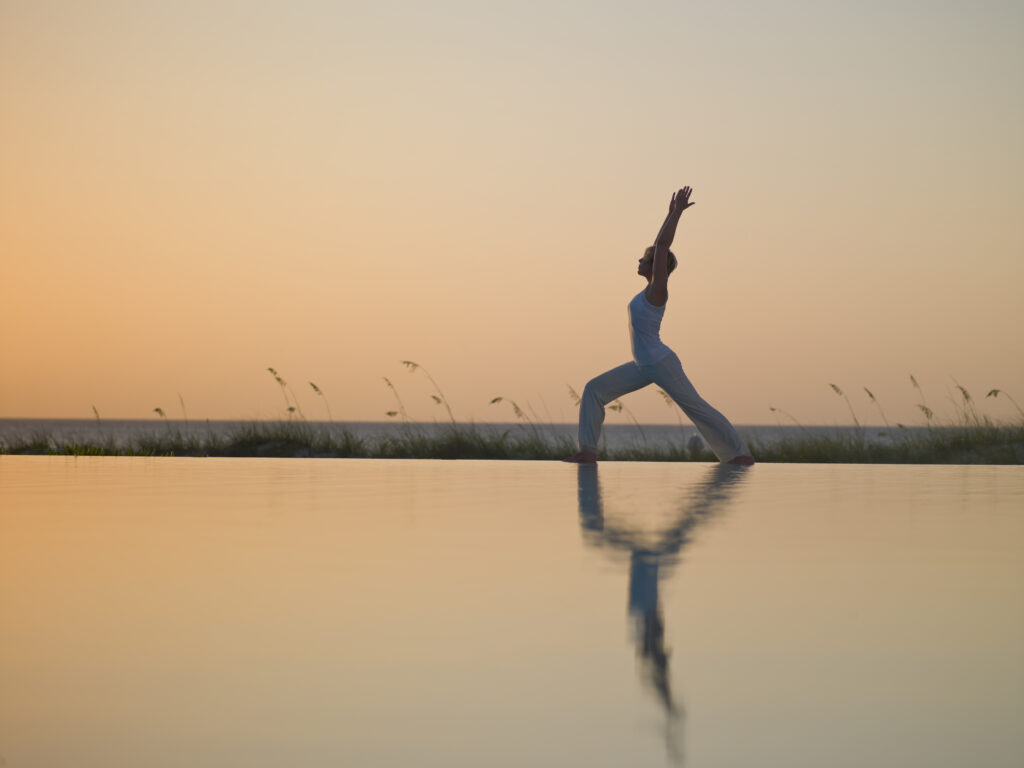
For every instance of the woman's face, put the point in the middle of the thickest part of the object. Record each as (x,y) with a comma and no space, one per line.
(644,266)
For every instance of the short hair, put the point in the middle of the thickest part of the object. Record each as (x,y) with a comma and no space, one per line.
(673,262)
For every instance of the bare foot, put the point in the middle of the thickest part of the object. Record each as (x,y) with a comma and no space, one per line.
(745,461)
(582,457)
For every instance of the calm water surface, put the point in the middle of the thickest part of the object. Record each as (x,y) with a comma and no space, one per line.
(266,612)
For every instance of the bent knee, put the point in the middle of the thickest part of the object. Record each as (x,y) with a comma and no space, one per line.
(593,391)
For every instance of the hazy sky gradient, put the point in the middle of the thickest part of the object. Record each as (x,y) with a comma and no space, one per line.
(192,192)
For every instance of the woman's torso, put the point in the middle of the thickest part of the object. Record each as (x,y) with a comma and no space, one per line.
(645,330)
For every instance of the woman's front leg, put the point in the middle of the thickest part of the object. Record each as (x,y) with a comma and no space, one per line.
(600,391)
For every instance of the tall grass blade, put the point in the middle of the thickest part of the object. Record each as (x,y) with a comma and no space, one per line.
(330,416)
(440,399)
(849,405)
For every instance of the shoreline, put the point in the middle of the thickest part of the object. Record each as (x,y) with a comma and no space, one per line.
(981,443)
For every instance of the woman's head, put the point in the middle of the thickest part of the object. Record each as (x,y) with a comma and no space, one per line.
(647,262)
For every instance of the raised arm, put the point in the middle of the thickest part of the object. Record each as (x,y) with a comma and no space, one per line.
(657,291)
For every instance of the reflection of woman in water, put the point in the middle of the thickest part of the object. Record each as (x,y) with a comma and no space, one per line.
(648,563)
(653,362)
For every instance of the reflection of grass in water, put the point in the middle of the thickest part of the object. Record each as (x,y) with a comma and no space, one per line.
(970,438)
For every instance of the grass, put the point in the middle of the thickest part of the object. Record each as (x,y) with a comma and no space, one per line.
(968,438)
(302,440)
(995,444)
(992,444)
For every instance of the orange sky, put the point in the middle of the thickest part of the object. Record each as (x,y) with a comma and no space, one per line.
(192,192)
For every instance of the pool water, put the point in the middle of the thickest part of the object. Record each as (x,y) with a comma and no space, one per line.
(268,612)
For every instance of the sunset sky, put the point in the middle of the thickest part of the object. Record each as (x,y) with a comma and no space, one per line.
(191,192)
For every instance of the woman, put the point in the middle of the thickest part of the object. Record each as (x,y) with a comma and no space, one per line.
(653,362)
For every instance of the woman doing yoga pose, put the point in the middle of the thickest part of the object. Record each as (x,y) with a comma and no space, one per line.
(653,362)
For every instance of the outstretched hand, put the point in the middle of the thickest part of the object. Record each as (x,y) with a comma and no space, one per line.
(680,201)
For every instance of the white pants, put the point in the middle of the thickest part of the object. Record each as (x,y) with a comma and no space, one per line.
(668,374)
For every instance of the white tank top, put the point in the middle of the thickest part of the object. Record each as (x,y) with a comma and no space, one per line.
(644,330)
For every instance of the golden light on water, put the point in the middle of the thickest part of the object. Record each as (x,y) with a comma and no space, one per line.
(251,612)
